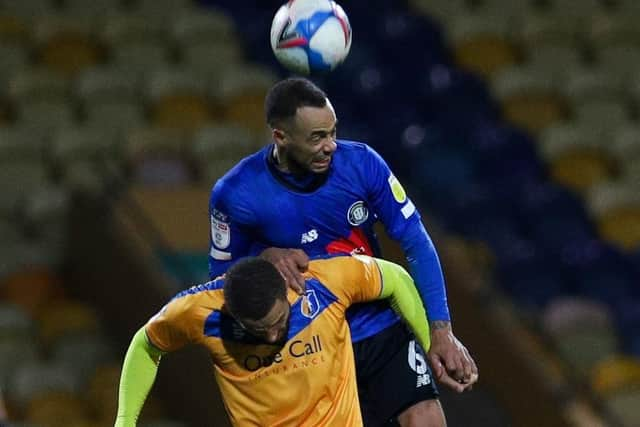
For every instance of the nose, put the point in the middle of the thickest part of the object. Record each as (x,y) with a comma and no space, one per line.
(273,335)
(330,146)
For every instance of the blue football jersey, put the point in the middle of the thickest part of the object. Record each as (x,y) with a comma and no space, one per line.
(252,208)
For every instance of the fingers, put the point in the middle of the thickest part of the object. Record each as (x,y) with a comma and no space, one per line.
(292,275)
(436,366)
(301,259)
(451,383)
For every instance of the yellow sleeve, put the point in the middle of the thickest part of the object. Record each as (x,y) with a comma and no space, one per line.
(398,286)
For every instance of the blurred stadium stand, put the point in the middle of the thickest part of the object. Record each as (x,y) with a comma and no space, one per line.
(514,123)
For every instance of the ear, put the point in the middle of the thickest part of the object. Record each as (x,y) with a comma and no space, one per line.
(279,137)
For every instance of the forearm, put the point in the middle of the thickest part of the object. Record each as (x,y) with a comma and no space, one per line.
(399,287)
(138,374)
(426,270)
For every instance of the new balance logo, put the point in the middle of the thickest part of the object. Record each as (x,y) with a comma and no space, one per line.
(424,379)
(309,236)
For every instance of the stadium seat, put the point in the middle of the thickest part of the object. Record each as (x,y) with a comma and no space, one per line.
(13,61)
(555,60)
(624,407)
(584,349)
(16,180)
(62,318)
(158,156)
(610,196)
(15,322)
(216,149)
(543,29)
(179,99)
(140,57)
(38,85)
(95,8)
(162,10)
(14,30)
(241,91)
(118,116)
(107,84)
(66,45)
(79,144)
(46,116)
(122,29)
(620,61)
(610,29)
(621,226)
(210,59)
(58,409)
(31,288)
(36,378)
(28,9)
(615,374)
(529,98)
(102,391)
(591,84)
(203,27)
(481,43)
(15,351)
(581,169)
(83,353)
(576,156)
(610,114)
(21,145)
(569,314)
(579,10)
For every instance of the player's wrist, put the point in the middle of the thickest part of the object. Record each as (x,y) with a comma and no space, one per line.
(440,327)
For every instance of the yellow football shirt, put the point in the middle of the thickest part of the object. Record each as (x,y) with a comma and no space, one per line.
(308,381)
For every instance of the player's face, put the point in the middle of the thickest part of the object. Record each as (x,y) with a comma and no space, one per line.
(274,326)
(310,143)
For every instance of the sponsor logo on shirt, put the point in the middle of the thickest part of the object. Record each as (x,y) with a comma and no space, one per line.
(396,189)
(358,213)
(309,236)
(295,349)
(220,233)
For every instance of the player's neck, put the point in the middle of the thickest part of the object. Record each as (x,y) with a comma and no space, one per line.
(282,163)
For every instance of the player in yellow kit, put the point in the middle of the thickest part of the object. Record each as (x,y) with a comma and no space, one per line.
(281,359)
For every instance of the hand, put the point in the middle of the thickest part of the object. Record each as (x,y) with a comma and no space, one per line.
(451,362)
(291,263)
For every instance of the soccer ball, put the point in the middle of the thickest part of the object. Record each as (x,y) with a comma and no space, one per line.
(309,36)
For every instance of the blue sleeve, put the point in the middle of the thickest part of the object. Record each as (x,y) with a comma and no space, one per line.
(402,222)
(231,234)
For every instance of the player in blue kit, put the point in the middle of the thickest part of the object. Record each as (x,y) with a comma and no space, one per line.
(310,193)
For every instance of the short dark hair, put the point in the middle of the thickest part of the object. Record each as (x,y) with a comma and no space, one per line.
(251,288)
(286,96)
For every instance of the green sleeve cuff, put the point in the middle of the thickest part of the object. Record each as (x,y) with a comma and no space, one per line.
(138,374)
(398,285)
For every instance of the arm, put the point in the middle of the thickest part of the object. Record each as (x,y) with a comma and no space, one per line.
(448,356)
(138,374)
(402,222)
(230,238)
(398,286)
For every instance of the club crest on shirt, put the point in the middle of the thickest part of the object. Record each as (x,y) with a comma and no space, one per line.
(310,305)
(358,213)
(220,233)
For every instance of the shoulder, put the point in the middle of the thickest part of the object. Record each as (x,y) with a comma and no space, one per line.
(209,294)
(239,182)
(356,153)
